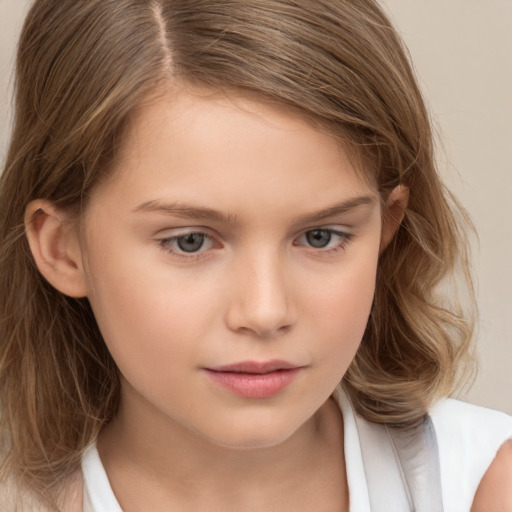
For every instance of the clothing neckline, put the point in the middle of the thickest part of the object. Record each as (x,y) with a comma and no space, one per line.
(99,496)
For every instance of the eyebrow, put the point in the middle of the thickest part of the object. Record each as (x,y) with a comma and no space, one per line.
(190,211)
(337,209)
(187,211)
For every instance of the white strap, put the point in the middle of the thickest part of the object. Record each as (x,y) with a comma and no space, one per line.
(101,498)
(418,454)
(401,467)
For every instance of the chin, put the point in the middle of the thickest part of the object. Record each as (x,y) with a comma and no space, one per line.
(254,442)
(255,435)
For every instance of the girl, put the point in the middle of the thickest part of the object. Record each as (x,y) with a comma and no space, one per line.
(222,240)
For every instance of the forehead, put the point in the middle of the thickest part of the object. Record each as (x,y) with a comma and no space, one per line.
(185,142)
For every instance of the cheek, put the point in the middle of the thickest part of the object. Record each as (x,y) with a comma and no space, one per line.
(343,305)
(148,339)
(151,318)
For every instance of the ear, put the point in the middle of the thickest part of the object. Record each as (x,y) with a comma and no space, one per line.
(54,244)
(393,214)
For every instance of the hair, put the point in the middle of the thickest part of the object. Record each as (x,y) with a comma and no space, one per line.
(83,69)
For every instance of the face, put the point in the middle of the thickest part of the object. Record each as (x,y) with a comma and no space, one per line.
(230,261)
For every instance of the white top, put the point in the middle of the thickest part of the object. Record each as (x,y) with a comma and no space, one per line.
(468,438)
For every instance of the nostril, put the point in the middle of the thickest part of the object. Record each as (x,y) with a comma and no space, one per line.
(262,322)
(264,332)
(260,302)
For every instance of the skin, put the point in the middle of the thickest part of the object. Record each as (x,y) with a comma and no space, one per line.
(494,494)
(256,182)
(257,291)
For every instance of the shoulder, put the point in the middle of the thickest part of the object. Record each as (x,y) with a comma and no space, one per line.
(8,495)
(472,440)
(495,490)
(459,424)
(13,498)
(448,408)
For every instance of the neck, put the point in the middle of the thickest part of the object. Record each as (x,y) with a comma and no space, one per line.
(148,454)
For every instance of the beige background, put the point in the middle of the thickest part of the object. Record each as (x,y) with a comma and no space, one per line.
(462,50)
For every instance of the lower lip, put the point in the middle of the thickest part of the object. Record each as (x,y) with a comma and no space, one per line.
(255,385)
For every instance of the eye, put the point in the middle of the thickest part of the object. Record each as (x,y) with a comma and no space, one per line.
(326,239)
(319,238)
(192,242)
(187,243)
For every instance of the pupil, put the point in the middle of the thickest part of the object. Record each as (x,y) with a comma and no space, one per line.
(190,243)
(318,238)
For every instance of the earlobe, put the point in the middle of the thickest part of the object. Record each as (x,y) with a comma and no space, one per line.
(55,248)
(393,214)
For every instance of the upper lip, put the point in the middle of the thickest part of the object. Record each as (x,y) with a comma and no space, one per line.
(255,367)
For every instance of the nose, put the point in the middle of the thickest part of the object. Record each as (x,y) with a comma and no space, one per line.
(261,301)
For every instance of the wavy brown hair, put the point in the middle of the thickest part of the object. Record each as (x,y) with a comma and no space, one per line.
(85,66)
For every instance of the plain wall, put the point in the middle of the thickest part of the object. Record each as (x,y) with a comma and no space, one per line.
(462,51)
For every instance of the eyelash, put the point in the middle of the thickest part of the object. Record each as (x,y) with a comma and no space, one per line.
(344,240)
(166,244)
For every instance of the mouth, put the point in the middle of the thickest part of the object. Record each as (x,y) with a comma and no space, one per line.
(255,367)
(252,379)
